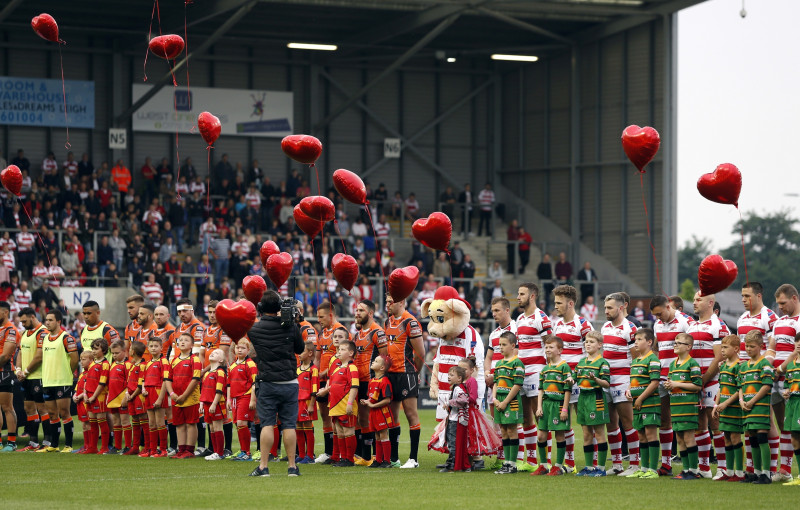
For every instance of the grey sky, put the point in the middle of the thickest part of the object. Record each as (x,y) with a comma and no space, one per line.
(737,103)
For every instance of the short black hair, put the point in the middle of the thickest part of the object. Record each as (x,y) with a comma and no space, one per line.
(56,313)
(27,311)
(91,304)
(5,306)
(270,302)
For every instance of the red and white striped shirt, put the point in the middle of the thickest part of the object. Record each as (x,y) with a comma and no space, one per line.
(197,186)
(706,335)
(56,274)
(40,272)
(530,329)
(25,241)
(253,200)
(448,354)
(589,311)
(486,199)
(22,297)
(8,260)
(494,342)
(572,333)
(617,342)
(208,228)
(153,292)
(382,230)
(665,336)
(177,291)
(8,242)
(763,321)
(784,332)
(182,188)
(152,218)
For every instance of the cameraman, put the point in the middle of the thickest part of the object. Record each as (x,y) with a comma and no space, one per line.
(276,341)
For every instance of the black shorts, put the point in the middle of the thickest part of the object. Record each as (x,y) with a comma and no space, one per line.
(57,393)
(404,385)
(323,400)
(7,382)
(33,390)
(277,401)
(363,390)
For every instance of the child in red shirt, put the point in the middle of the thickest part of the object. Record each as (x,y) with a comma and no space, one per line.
(380,413)
(153,383)
(80,396)
(95,387)
(343,408)
(308,379)
(117,382)
(134,401)
(242,376)
(212,396)
(183,386)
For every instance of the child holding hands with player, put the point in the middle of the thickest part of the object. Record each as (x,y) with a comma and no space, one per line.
(308,385)
(728,410)
(212,396)
(380,414)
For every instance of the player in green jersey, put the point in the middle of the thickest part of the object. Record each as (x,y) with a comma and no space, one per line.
(684,382)
(756,377)
(645,377)
(791,421)
(592,376)
(509,375)
(727,409)
(555,389)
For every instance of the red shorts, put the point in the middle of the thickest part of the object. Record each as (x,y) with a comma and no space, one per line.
(349,421)
(117,410)
(83,415)
(137,406)
(183,415)
(302,411)
(97,407)
(241,408)
(152,396)
(380,419)
(219,413)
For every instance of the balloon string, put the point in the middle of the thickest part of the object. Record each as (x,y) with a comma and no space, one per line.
(649,235)
(186,43)
(744,257)
(377,246)
(64,95)
(150,33)
(208,206)
(314,166)
(177,141)
(336,226)
(44,247)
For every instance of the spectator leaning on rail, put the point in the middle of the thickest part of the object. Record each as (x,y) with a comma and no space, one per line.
(275,345)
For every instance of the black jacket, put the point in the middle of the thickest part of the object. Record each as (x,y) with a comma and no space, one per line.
(275,348)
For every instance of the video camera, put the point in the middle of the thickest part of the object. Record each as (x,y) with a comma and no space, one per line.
(289,312)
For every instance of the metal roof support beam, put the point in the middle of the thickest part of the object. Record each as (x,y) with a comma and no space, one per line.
(628,22)
(217,8)
(524,25)
(207,43)
(8,9)
(441,27)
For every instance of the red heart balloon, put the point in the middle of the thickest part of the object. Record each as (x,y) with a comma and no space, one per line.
(167,46)
(402,282)
(640,144)
(308,225)
(209,127)
(350,186)
(46,27)
(345,270)
(279,267)
(716,274)
(433,231)
(302,148)
(267,249)
(254,287)
(235,317)
(723,185)
(318,208)
(11,177)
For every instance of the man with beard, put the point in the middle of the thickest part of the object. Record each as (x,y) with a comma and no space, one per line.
(30,374)
(370,340)
(131,330)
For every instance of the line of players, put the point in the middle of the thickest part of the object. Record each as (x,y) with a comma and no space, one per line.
(619,335)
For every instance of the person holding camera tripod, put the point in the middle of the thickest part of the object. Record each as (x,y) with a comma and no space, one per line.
(276,339)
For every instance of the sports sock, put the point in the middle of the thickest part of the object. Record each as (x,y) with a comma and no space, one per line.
(738,457)
(244,438)
(105,432)
(257,428)
(147,444)
(632,438)
(645,455)
(118,437)
(755,452)
(55,432)
(615,445)
(513,448)
(369,439)
(310,443)
(154,437)
(703,440)
(692,454)
(394,443)
(327,436)
(127,431)
(561,451)
(542,451)
(774,452)
(654,447)
(276,441)
(720,450)
(227,431)
(666,436)
(379,453)
(797,455)
(588,455)
(602,455)
(684,455)
(44,419)
(86,435)
(531,441)
(359,443)
(387,450)
(68,432)
(569,437)
(301,443)
(162,438)
(350,445)
(764,443)
(338,451)
(201,434)
(173,435)
(522,444)
(414,432)
(748,451)
(136,430)
(786,452)
(33,428)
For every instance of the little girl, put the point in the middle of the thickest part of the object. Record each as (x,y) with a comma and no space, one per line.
(212,396)
(457,421)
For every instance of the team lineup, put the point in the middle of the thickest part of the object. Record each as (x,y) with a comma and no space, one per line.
(161,390)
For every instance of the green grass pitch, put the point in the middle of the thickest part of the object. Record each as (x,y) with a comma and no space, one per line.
(78,481)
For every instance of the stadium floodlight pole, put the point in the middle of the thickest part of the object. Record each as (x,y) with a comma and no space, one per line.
(207,43)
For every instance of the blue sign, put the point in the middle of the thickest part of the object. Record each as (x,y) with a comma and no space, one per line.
(38,102)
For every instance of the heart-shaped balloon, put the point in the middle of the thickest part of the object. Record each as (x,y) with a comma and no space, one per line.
(308,225)
(716,274)
(402,282)
(723,185)
(267,249)
(209,127)
(279,267)
(167,46)
(318,208)
(11,177)
(345,270)
(46,27)
(350,186)
(640,144)
(302,148)
(433,231)
(235,317)
(254,287)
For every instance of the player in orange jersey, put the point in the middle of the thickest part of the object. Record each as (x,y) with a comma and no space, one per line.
(370,340)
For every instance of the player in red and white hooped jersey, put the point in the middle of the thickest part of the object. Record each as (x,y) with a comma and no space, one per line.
(780,346)
(501,313)
(467,344)
(532,325)
(618,337)
(756,316)
(571,328)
